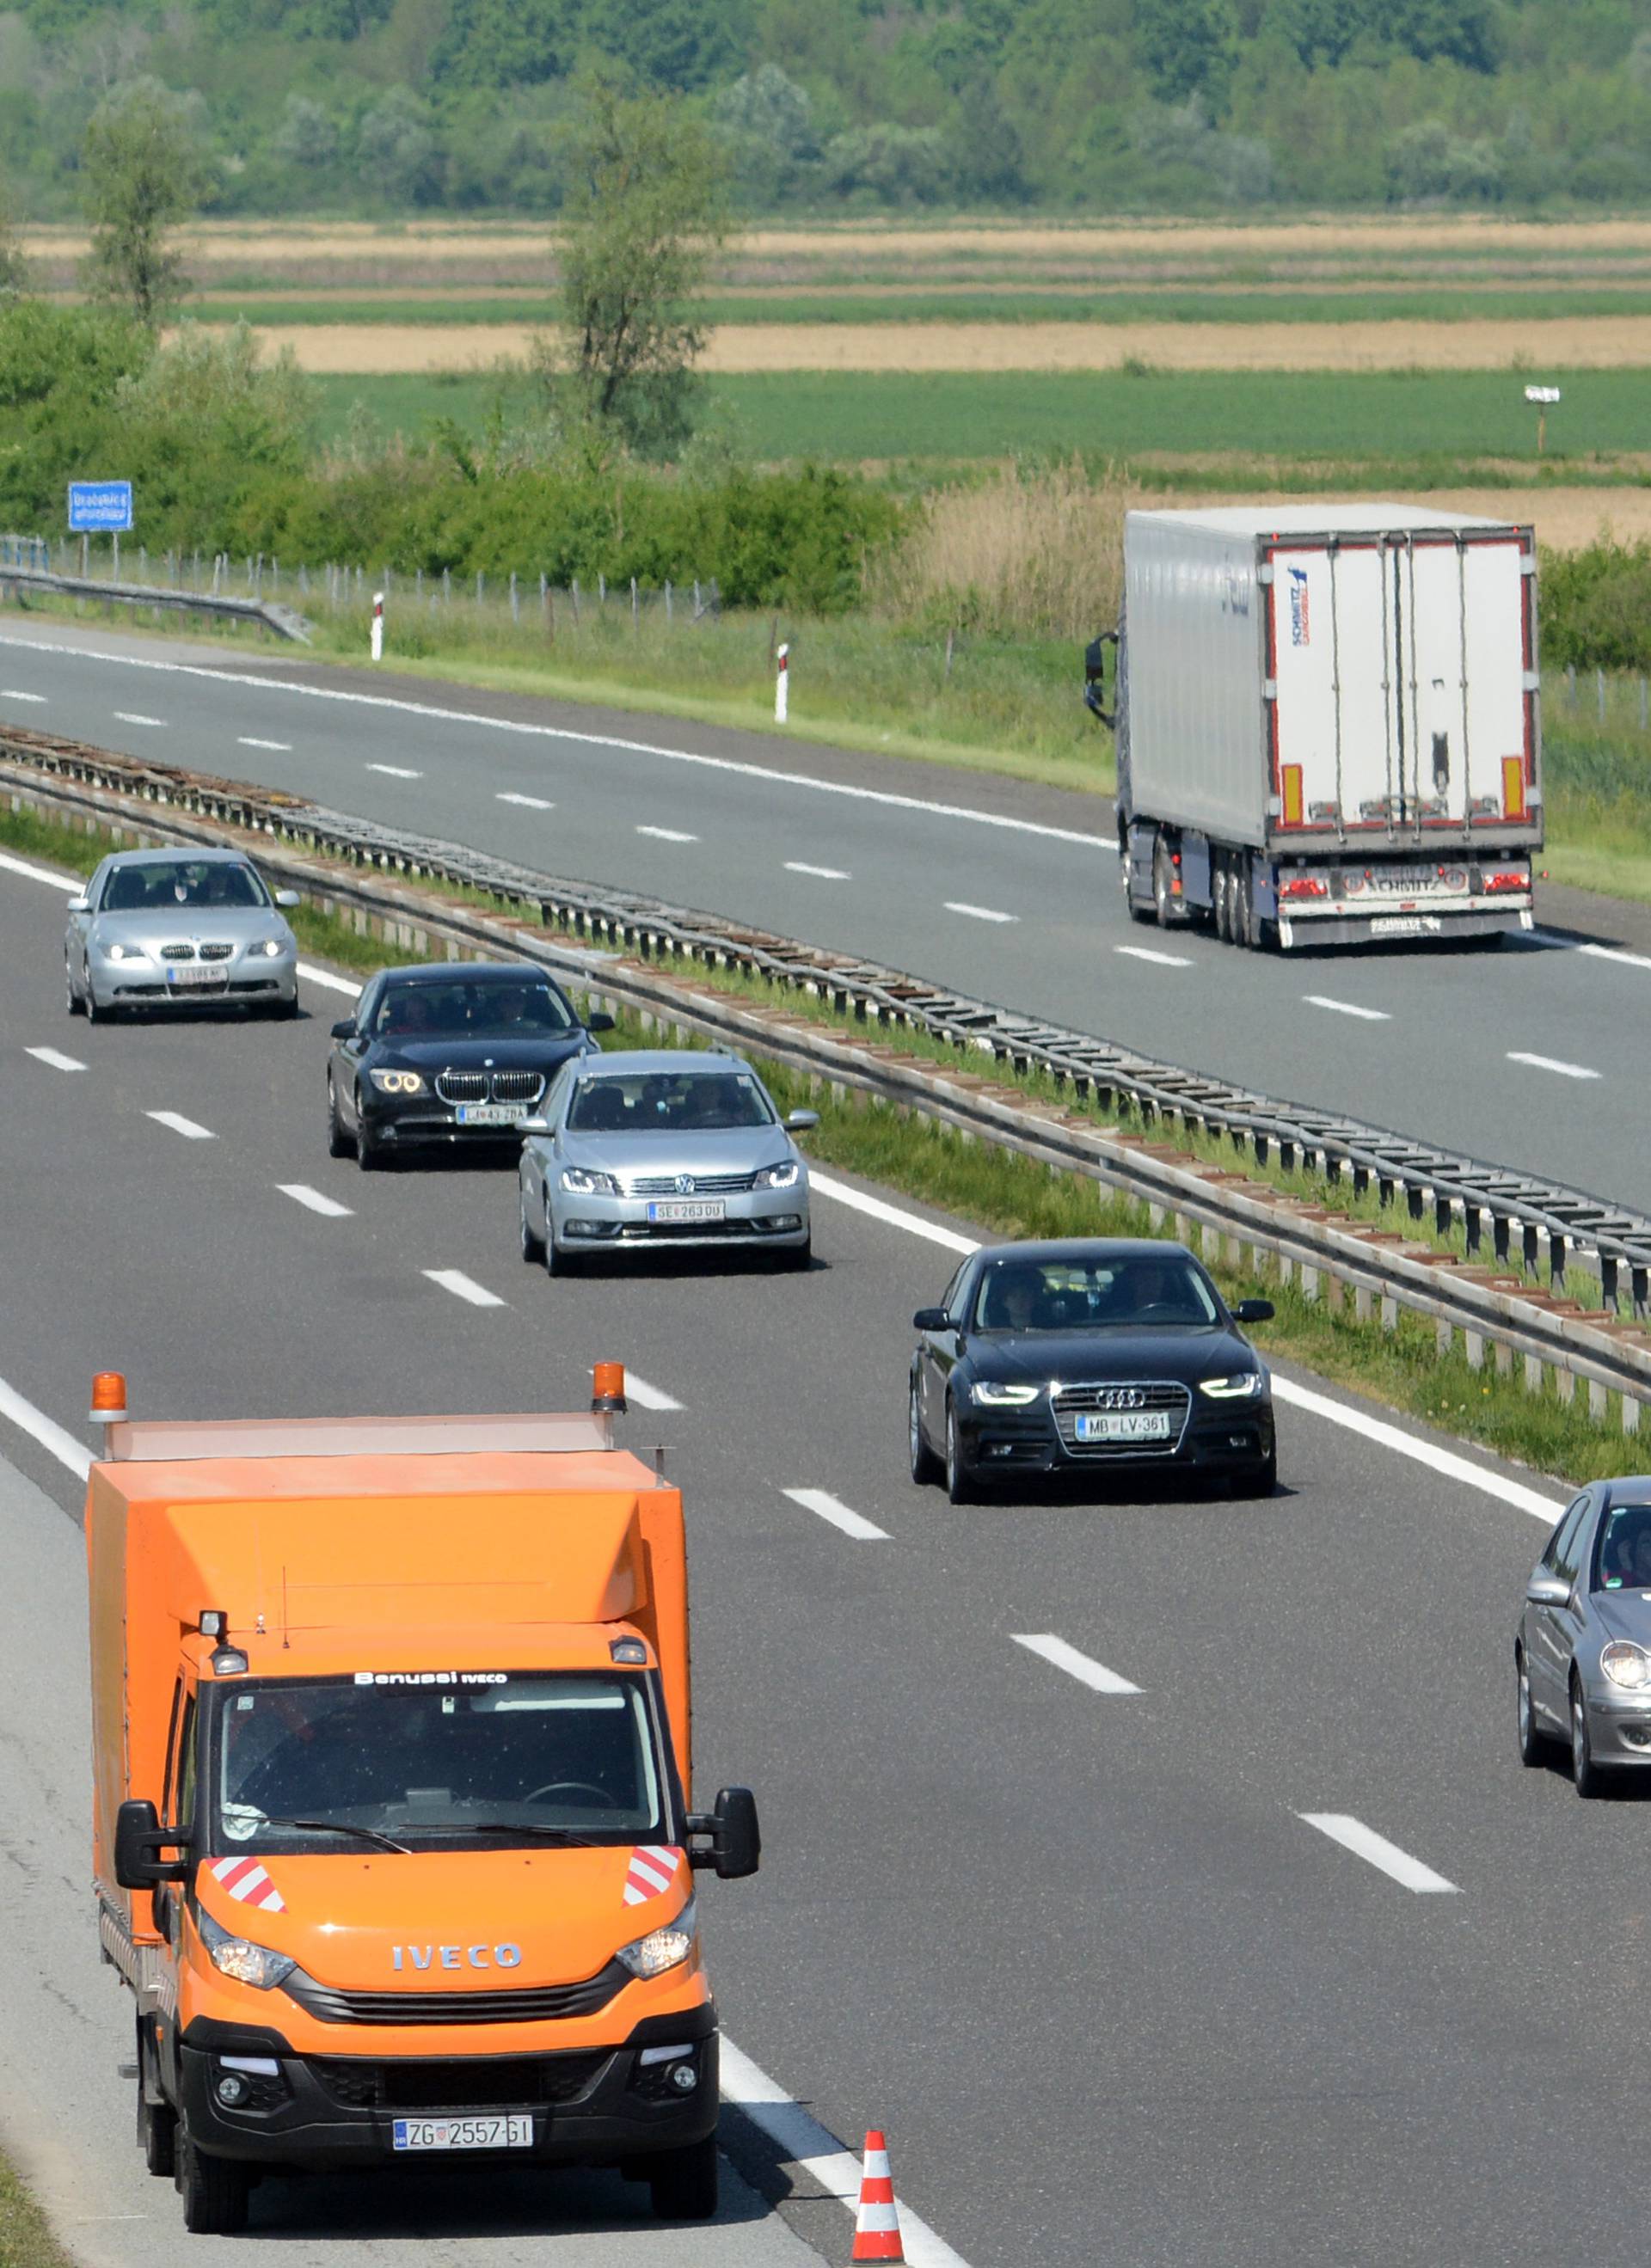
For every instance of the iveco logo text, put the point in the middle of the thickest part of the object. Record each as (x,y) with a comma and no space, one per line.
(432,1677)
(1301,621)
(455,1957)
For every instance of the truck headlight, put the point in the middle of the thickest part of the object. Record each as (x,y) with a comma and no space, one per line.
(1625,1665)
(779,1177)
(397,1082)
(580,1182)
(998,1394)
(239,1958)
(1244,1386)
(664,1947)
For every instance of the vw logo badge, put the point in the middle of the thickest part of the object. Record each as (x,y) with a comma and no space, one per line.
(685,1185)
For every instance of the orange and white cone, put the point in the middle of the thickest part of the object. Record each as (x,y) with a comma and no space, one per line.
(877,2223)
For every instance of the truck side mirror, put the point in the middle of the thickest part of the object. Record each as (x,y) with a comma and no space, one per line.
(736,1841)
(139,1838)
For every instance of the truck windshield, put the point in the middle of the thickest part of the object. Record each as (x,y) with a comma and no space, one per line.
(429,1759)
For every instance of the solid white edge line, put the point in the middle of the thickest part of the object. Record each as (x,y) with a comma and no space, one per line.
(1552,1063)
(651,1397)
(191,1128)
(826,1185)
(53,1059)
(563,732)
(45,1429)
(312,974)
(1595,951)
(805,2142)
(840,1515)
(1376,1851)
(1083,1667)
(1347,1008)
(314,1200)
(463,1286)
(71,887)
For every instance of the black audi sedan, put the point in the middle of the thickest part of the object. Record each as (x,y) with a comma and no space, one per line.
(455,1052)
(1086,1356)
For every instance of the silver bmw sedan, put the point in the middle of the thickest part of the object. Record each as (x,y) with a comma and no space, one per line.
(164,928)
(667,1147)
(1583,1651)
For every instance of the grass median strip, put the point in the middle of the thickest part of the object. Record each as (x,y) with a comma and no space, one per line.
(26,2235)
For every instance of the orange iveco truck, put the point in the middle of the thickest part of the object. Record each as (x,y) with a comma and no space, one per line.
(391,1837)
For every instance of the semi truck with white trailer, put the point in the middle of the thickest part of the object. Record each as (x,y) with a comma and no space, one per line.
(1327,722)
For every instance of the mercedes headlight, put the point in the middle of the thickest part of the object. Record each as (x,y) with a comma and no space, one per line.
(239,1958)
(779,1177)
(662,1948)
(580,1182)
(397,1082)
(1626,1665)
(999,1394)
(1244,1386)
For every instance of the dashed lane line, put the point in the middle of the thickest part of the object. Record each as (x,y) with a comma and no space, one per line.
(136,716)
(527,802)
(11,693)
(1552,1063)
(1346,1008)
(191,1129)
(833,1509)
(50,1056)
(463,1286)
(1376,1851)
(395,771)
(667,834)
(1095,1674)
(315,1201)
(978,913)
(275,747)
(820,874)
(651,1397)
(1160,960)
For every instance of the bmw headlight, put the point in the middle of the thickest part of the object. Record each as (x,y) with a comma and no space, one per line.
(1244,1386)
(116,952)
(397,1082)
(266,948)
(580,1182)
(1626,1665)
(779,1177)
(239,1958)
(999,1394)
(662,1948)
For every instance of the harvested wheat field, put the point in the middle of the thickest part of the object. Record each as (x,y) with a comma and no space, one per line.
(1588,342)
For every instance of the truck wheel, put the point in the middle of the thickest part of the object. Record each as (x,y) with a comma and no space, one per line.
(1221,893)
(156,2122)
(1137,911)
(1241,906)
(215,2191)
(683,2183)
(1163,876)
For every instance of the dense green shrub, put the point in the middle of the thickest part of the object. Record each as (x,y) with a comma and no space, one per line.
(1596,608)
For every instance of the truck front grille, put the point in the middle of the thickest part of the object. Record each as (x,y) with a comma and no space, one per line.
(471,2083)
(533,2004)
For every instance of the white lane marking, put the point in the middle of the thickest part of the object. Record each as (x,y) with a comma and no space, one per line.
(979,913)
(1550,1062)
(651,1397)
(71,888)
(667,834)
(395,771)
(312,974)
(1365,1842)
(57,1062)
(1095,1674)
(45,1429)
(11,693)
(826,1185)
(188,1128)
(1347,1008)
(1163,959)
(803,2141)
(829,1508)
(301,1193)
(135,717)
(885,796)
(1595,951)
(278,747)
(463,1286)
(527,802)
(1446,1463)
(821,873)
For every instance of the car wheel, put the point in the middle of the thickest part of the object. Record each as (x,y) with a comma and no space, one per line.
(95,1014)
(960,1481)
(682,2184)
(926,1466)
(286,1011)
(340,1142)
(369,1154)
(76,1006)
(1533,1741)
(1586,1776)
(558,1261)
(795,1259)
(532,1246)
(215,2191)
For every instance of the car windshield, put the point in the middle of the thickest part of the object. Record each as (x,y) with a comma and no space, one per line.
(1081,1295)
(462,1009)
(1623,1559)
(668,1102)
(163,885)
(426,1758)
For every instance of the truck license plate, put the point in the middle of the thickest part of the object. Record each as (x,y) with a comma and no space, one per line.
(463,2134)
(1123,1425)
(490,1114)
(192,976)
(686,1209)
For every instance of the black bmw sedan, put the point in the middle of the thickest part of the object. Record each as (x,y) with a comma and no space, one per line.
(455,1052)
(1085,1356)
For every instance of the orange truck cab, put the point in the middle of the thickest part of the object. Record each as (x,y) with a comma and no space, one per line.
(393,1837)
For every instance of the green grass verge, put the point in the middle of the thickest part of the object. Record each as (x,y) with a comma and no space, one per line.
(25,2237)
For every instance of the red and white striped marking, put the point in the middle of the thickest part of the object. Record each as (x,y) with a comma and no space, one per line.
(877,2222)
(246,1883)
(651,1872)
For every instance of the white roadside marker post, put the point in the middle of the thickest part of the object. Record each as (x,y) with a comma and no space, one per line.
(377,626)
(782,684)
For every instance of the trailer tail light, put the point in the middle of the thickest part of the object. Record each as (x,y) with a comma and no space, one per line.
(1513,805)
(1292,779)
(1305,885)
(1512,880)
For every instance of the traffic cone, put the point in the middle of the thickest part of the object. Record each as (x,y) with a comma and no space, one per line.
(877,2223)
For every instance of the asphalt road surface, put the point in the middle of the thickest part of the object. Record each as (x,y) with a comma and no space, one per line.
(1526,1057)
(1280,1956)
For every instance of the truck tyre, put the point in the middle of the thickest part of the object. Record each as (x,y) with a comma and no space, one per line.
(1138,912)
(1241,905)
(682,2183)
(1163,875)
(1221,895)
(157,2121)
(215,2191)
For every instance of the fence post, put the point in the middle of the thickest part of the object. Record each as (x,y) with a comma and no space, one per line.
(1644,717)
(636,620)
(376,647)
(479,584)
(1570,684)
(573,592)
(515,599)
(446,586)
(782,686)
(544,598)
(667,600)
(601,593)
(1599,682)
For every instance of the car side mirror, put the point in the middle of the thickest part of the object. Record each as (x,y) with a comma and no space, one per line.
(79,905)
(736,1841)
(346,1030)
(532,1125)
(288,898)
(798,1122)
(599,1021)
(1546,1590)
(1253,1311)
(930,1318)
(139,1838)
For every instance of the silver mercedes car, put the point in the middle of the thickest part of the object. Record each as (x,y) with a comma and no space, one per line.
(672,1147)
(166,929)
(1583,1651)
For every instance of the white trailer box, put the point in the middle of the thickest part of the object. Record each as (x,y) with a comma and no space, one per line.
(1319,704)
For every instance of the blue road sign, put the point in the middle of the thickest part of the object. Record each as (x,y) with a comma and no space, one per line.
(99,507)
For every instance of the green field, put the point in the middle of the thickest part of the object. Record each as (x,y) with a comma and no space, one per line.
(1433,419)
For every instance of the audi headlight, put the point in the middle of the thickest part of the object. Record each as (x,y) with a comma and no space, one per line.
(266,948)
(662,1948)
(125,953)
(779,1177)
(397,1082)
(1243,1386)
(578,1182)
(998,1394)
(1626,1665)
(239,1958)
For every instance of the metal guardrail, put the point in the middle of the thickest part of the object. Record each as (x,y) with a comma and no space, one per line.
(1534,1228)
(18,574)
